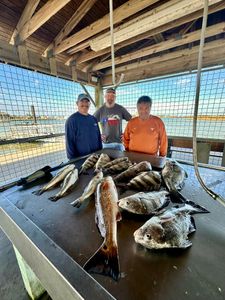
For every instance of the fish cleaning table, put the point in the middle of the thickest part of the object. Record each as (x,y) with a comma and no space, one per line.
(56,239)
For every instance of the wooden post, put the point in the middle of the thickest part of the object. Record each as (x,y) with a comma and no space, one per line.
(31,282)
(223,158)
(203,151)
(99,94)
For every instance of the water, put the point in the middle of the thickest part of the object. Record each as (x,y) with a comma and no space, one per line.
(174,127)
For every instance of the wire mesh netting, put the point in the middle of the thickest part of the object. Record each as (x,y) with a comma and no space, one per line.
(173,100)
(34,105)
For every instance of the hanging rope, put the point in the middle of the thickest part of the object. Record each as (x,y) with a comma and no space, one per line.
(112,41)
(198,84)
(115,85)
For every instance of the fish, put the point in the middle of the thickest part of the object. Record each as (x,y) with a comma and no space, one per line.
(115,162)
(145,203)
(120,166)
(89,163)
(174,177)
(168,230)
(89,190)
(145,181)
(103,160)
(106,259)
(67,185)
(133,171)
(55,180)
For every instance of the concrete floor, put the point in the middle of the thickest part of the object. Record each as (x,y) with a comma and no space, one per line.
(11,283)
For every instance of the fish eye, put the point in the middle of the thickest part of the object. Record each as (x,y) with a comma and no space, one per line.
(148,236)
(127,202)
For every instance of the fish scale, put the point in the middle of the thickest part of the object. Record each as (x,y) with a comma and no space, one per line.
(147,180)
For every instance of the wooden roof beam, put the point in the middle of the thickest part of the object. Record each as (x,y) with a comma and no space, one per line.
(181,21)
(173,66)
(149,21)
(71,24)
(168,56)
(169,44)
(124,11)
(43,15)
(25,17)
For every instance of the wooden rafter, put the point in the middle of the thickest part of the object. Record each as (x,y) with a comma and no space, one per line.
(168,56)
(170,25)
(124,11)
(40,17)
(169,44)
(25,17)
(73,21)
(179,64)
(149,21)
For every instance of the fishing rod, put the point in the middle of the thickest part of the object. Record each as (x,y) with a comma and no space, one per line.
(215,196)
(41,173)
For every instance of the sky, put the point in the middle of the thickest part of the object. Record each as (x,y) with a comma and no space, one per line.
(173,96)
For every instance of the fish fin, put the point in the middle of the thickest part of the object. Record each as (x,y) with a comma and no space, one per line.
(76,203)
(186,244)
(38,192)
(198,208)
(118,216)
(54,198)
(192,227)
(167,202)
(177,197)
(105,261)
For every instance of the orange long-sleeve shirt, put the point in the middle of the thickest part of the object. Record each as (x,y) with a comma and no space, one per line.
(147,136)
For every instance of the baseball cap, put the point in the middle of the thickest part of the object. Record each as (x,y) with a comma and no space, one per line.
(111,90)
(83,97)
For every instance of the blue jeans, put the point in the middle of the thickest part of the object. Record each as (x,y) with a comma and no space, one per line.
(116,146)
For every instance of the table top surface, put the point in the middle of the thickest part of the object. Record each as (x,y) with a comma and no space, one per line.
(197,272)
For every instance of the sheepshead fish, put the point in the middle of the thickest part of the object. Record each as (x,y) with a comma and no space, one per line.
(173,176)
(145,203)
(168,230)
(103,160)
(106,260)
(114,162)
(89,190)
(59,177)
(145,181)
(89,163)
(120,166)
(133,171)
(67,185)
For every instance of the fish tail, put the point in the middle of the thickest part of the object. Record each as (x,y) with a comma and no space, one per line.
(105,261)
(38,192)
(76,203)
(197,209)
(54,198)
(177,197)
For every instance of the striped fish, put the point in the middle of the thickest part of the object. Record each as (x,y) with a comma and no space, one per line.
(116,168)
(103,160)
(89,163)
(114,162)
(133,171)
(145,181)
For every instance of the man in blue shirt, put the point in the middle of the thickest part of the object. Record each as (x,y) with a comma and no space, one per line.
(81,130)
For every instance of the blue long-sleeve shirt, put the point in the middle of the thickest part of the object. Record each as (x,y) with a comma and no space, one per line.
(82,135)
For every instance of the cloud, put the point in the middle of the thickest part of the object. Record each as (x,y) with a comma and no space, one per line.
(183,82)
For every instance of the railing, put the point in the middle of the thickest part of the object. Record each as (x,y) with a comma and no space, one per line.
(205,148)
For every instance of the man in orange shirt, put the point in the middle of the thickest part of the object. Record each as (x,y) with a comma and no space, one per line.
(146,133)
